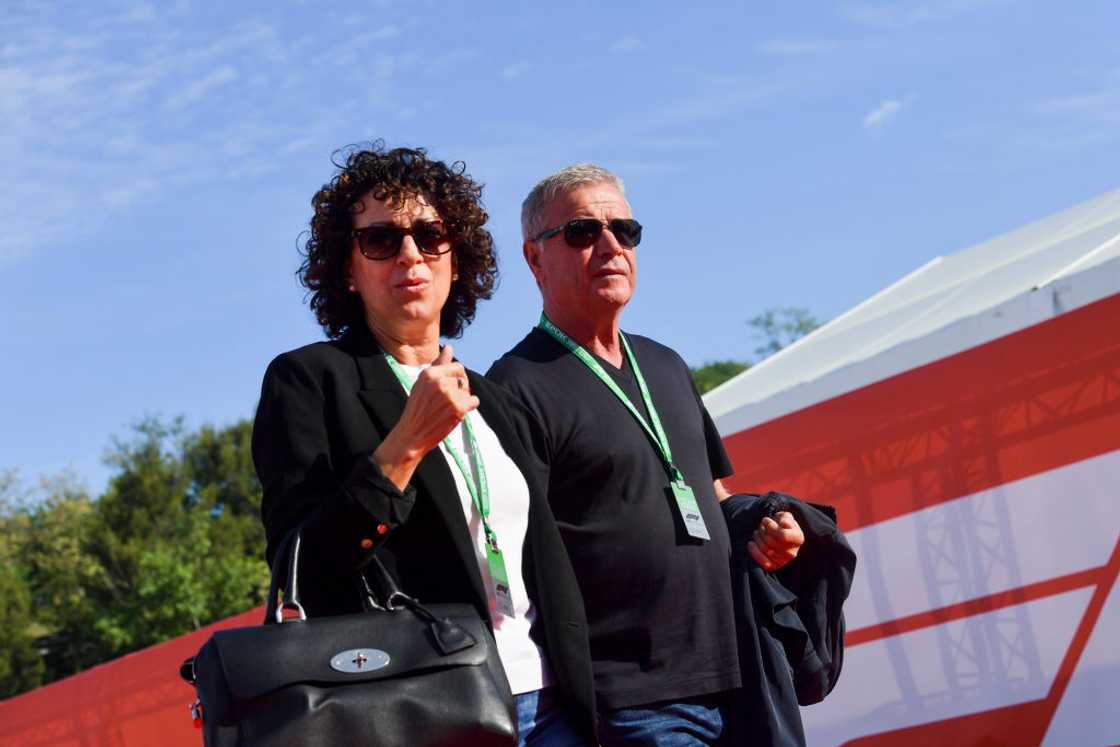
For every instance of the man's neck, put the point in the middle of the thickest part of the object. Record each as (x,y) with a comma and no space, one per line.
(598,334)
(411,347)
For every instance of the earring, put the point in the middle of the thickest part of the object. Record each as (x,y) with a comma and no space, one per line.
(454,276)
(351,287)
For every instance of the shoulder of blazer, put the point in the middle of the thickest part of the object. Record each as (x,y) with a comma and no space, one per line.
(317,358)
(355,358)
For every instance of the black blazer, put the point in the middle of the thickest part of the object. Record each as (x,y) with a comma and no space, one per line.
(324,408)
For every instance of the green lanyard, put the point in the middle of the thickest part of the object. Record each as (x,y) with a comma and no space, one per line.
(682,493)
(480,496)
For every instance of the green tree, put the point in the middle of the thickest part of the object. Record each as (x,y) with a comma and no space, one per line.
(779,327)
(61,573)
(177,534)
(21,666)
(174,543)
(711,375)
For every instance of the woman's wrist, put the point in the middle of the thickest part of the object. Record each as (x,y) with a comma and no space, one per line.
(396,462)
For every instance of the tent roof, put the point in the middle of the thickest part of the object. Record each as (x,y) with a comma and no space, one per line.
(948,305)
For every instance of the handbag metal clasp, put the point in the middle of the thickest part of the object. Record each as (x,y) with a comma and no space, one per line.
(358,660)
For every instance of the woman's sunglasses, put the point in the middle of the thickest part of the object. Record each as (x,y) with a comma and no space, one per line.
(383,240)
(581,233)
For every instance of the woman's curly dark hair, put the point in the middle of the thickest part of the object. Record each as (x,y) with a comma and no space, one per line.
(396,176)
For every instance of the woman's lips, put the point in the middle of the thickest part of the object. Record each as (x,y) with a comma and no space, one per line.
(412,283)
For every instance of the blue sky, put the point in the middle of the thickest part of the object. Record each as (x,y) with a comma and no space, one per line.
(159,160)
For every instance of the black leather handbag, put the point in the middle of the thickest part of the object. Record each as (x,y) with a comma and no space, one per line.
(400,673)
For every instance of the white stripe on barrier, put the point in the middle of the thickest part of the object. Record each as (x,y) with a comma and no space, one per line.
(966,666)
(1019,533)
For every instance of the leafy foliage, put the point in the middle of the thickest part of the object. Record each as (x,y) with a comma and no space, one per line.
(711,375)
(777,328)
(174,543)
(21,666)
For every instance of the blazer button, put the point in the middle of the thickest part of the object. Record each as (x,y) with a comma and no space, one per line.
(382,529)
(367,543)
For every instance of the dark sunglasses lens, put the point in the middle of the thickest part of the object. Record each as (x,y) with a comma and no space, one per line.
(627,230)
(429,237)
(582,233)
(380,242)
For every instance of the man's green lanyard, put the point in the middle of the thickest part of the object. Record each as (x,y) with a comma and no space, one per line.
(681,492)
(480,496)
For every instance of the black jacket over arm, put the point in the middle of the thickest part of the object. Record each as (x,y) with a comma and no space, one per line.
(790,624)
(324,408)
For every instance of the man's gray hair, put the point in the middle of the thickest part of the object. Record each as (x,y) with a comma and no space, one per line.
(564,180)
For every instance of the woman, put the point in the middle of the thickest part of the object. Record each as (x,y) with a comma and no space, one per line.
(375,441)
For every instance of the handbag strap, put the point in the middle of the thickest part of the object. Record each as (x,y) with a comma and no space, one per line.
(385,595)
(391,596)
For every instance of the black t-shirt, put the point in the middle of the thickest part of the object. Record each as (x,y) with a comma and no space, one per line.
(658,602)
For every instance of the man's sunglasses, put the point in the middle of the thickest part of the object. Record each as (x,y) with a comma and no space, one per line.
(383,240)
(581,233)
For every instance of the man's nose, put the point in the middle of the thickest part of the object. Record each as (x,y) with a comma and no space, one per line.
(607,242)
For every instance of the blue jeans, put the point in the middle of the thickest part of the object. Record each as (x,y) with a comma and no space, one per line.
(543,722)
(692,722)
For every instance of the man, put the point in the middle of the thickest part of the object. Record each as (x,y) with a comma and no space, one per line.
(634,466)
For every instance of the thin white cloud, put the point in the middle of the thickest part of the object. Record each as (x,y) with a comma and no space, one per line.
(885,113)
(888,16)
(1095,105)
(797,47)
(1075,122)
(202,87)
(126,195)
(257,39)
(626,44)
(900,14)
(386,32)
(297,145)
(514,70)
(82,100)
(143,13)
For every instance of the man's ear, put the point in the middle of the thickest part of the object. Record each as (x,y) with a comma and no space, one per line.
(532,252)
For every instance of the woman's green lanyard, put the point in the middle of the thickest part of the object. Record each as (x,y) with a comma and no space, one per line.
(681,492)
(480,496)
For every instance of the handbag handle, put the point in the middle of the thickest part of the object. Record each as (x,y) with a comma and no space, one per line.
(448,635)
(287,557)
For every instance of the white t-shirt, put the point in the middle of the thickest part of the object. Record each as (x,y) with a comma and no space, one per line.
(522,659)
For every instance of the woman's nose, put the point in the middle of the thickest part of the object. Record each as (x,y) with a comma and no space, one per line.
(410,253)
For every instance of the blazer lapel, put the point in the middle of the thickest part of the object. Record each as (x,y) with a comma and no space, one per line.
(384,400)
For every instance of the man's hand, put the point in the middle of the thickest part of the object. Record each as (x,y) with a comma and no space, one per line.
(776,543)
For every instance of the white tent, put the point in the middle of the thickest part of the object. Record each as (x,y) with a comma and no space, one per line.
(966,422)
